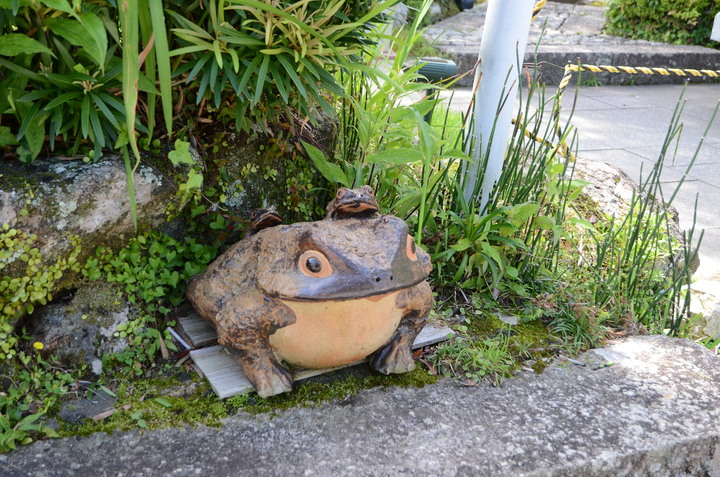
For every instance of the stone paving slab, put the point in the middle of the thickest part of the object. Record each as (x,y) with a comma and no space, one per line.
(567,33)
(645,406)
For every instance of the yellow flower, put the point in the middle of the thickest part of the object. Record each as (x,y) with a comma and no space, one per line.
(38,345)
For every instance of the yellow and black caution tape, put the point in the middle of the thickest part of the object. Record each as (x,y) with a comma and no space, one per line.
(633,70)
(536,9)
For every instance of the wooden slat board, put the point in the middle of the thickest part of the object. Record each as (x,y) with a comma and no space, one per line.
(227,379)
(200,332)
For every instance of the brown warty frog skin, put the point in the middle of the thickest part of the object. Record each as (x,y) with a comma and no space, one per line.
(317,295)
(349,203)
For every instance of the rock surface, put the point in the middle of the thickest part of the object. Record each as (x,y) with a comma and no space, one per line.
(66,203)
(654,411)
(80,331)
(611,191)
(705,305)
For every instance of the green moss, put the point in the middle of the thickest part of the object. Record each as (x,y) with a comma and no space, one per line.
(156,403)
(489,348)
(166,401)
(95,300)
(337,386)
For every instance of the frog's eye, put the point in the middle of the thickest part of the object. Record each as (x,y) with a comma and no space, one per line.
(341,193)
(368,190)
(314,264)
(410,248)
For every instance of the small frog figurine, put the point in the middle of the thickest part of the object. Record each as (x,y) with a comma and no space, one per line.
(262,219)
(356,203)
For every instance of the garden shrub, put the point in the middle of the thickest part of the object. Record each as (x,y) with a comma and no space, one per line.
(669,21)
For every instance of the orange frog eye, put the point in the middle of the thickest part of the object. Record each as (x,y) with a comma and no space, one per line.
(341,193)
(411,248)
(314,264)
(368,190)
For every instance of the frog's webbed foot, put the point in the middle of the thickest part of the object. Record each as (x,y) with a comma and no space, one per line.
(247,337)
(396,356)
(266,374)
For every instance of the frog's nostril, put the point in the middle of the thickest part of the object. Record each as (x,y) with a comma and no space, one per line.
(391,277)
(377,279)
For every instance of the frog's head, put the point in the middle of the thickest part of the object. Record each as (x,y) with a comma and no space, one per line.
(360,202)
(340,260)
(264,218)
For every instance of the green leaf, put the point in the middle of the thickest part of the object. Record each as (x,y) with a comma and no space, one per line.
(99,44)
(194,180)
(97,130)
(218,53)
(521,212)
(545,222)
(262,73)
(13,44)
(292,74)
(97,99)
(331,172)
(463,244)
(63,98)
(197,210)
(181,153)
(279,80)
(7,138)
(129,12)
(85,116)
(35,137)
(162,56)
(581,222)
(61,5)
(49,432)
(396,156)
(456,154)
(492,253)
(88,34)
(163,402)
(107,391)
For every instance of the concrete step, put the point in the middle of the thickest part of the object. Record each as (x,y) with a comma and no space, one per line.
(564,34)
(643,406)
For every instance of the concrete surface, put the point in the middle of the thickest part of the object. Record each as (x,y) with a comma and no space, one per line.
(653,412)
(567,33)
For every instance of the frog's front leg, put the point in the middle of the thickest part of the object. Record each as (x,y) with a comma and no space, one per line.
(244,327)
(396,356)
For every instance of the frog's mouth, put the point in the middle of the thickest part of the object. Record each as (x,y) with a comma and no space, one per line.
(344,288)
(269,220)
(358,207)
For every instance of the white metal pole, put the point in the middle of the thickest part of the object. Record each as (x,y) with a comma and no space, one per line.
(502,48)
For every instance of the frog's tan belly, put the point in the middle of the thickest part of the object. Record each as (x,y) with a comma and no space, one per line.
(333,333)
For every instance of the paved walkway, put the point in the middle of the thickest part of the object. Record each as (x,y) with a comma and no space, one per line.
(626,125)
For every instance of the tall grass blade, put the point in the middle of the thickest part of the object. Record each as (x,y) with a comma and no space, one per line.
(131,69)
(130,178)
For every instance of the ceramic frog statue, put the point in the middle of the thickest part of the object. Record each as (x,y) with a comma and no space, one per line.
(355,203)
(317,295)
